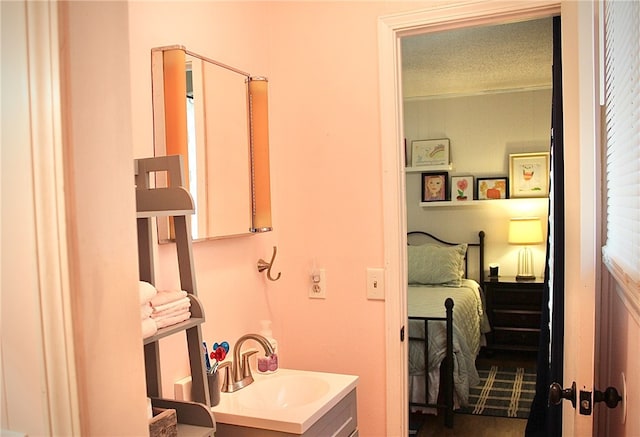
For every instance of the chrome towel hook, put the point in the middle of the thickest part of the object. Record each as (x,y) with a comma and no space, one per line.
(263,265)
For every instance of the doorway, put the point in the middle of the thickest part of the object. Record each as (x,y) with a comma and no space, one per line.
(392,29)
(487,92)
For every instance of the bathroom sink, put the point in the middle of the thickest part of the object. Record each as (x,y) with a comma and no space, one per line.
(288,401)
(284,390)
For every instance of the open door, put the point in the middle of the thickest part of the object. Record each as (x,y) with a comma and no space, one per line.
(581,217)
(581,258)
(585,217)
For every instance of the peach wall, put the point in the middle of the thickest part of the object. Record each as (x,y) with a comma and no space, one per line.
(328,194)
(321,60)
(70,346)
(100,215)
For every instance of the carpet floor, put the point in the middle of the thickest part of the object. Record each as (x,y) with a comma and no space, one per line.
(502,392)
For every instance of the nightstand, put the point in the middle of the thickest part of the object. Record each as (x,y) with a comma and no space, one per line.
(514,309)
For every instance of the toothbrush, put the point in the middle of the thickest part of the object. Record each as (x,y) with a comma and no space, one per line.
(206,356)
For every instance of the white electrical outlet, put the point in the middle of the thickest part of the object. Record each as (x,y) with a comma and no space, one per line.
(318,287)
(375,284)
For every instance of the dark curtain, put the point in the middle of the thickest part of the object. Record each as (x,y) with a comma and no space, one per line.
(544,419)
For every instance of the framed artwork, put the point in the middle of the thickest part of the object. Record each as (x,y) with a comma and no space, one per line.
(492,188)
(529,174)
(461,188)
(434,186)
(430,153)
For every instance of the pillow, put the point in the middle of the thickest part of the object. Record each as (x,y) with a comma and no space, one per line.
(429,264)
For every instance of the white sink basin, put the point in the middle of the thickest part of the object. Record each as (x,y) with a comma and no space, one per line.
(286,401)
(284,391)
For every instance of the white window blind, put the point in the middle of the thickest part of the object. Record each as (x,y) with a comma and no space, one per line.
(621,252)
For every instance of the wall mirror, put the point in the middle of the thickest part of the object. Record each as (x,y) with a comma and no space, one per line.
(205,111)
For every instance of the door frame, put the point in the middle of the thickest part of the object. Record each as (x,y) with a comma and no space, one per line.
(581,151)
(41,296)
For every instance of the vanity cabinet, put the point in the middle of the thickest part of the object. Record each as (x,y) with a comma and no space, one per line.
(194,418)
(339,421)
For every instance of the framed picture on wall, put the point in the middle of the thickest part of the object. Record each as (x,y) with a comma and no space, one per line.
(430,153)
(461,188)
(492,188)
(434,186)
(529,174)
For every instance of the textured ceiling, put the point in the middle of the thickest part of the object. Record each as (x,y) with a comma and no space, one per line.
(478,59)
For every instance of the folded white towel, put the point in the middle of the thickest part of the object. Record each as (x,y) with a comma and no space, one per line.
(145,310)
(164,297)
(168,321)
(149,327)
(183,302)
(173,309)
(172,316)
(147,292)
(166,314)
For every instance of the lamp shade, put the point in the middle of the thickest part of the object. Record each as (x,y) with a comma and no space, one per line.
(526,230)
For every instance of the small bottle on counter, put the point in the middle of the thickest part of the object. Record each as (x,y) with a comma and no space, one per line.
(268,364)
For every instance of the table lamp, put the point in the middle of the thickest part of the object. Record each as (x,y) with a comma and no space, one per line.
(525,231)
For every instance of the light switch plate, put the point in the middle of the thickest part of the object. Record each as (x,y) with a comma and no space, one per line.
(375,283)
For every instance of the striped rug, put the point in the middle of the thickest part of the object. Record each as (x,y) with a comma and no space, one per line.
(503,392)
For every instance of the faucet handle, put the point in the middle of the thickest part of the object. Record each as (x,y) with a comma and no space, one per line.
(246,368)
(226,381)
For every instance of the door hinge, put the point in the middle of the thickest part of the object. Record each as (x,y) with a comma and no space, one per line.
(402,334)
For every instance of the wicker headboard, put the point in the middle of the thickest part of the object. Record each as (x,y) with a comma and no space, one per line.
(416,238)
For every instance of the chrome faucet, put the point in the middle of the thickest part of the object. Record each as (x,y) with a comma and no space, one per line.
(240,367)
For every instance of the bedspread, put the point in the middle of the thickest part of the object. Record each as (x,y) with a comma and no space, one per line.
(469,322)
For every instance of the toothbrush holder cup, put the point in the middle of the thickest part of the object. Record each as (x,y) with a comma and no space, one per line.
(214,387)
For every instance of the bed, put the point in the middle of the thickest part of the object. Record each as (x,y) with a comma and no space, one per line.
(445,301)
